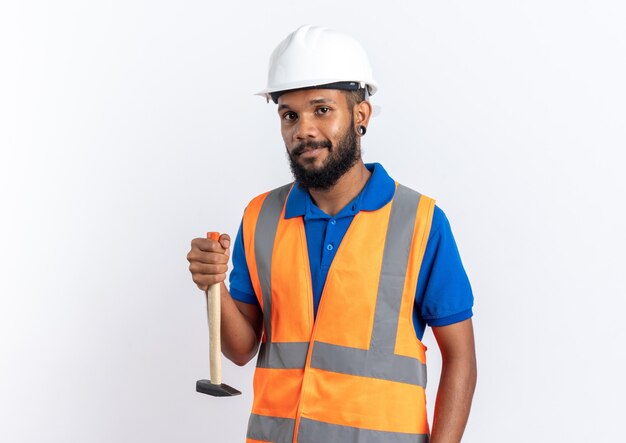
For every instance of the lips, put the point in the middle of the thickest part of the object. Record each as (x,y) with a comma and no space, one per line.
(311,147)
(309,151)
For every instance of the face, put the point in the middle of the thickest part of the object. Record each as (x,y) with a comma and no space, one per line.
(317,126)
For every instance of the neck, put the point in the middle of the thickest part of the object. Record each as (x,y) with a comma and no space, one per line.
(334,199)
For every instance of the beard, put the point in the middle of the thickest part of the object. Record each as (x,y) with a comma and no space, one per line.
(339,161)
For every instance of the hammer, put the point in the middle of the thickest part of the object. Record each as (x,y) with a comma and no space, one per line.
(214,386)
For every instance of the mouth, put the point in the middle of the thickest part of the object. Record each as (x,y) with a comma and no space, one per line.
(311,149)
(309,152)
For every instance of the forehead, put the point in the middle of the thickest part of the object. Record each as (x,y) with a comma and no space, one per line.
(311,97)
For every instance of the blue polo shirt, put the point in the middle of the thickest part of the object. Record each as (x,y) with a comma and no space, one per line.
(443,295)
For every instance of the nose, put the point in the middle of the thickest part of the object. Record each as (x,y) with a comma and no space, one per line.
(305,128)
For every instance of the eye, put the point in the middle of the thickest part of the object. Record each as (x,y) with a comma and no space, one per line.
(290,116)
(323,110)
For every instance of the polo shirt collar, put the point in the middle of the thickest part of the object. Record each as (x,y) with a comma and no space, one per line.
(378,191)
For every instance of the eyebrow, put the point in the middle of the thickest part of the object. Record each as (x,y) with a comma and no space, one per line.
(321,100)
(316,101)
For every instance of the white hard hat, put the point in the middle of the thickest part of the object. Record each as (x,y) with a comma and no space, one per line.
(315,56)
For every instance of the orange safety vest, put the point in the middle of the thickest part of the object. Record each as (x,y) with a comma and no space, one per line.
(357,373)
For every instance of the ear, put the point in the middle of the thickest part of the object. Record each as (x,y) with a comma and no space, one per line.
(362,113)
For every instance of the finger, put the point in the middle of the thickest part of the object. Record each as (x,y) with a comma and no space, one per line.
(207,269)
(204,281)
(196,256)
(207,245)
(225,241)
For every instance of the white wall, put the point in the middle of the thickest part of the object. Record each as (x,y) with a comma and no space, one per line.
(127,128)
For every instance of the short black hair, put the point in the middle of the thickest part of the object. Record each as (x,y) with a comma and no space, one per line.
(355,97)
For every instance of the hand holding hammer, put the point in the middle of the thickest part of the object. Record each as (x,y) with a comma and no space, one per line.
(217,263)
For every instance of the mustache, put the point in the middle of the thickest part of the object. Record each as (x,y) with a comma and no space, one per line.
(299,149)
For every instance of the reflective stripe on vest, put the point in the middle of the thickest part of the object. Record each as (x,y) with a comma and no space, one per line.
(264,243)
(280,430)
(380,361)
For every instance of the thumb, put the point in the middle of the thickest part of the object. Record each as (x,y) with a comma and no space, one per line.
(225,242)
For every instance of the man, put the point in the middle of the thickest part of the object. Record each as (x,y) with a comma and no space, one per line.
(337,276)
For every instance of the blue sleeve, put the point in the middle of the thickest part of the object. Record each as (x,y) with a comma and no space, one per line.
(444,295)
(240,283)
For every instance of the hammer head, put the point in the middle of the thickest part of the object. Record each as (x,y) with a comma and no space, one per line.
(221,390)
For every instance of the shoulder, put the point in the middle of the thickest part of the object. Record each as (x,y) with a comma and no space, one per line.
(406,190)
(280,193)
(440,221)
(440,234)
(439,224)
(425,206)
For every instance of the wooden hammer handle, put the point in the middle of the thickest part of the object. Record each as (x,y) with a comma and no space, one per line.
(214,317)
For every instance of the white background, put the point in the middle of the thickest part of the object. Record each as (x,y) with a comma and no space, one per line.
(127,128)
